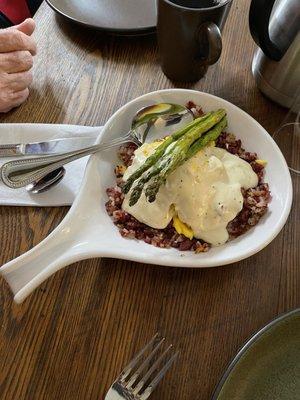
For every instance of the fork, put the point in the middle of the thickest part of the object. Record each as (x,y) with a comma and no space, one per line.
(139,379)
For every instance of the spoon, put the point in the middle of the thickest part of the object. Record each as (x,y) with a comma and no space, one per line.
(148,124)
(47,182)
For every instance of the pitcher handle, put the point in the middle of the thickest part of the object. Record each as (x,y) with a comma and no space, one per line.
(259,18)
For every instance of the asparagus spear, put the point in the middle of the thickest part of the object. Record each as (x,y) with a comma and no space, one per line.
(152,171)
(203,141)
(213,134)
(171,159)
(160,151)
(176,155)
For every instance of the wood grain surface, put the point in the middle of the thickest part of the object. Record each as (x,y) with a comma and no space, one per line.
(71,338)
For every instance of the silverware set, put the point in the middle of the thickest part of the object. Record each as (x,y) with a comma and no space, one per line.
(39,174)
(54,146)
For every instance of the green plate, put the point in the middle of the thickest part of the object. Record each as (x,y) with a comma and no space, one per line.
(268,366)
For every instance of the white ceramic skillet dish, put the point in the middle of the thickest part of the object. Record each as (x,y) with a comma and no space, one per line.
(87,231)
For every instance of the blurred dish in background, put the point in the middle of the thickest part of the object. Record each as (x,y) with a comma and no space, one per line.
(267,367)
(133,17)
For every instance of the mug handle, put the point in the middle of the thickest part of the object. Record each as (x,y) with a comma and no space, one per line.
(210,33)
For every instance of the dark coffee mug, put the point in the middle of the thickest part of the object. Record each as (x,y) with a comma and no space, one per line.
(189,36)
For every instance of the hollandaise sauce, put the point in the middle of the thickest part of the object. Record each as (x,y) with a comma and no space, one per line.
(204,194)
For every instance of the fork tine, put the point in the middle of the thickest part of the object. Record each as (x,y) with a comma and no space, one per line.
(126,371)
(150,371)
(149,389)
(136,375)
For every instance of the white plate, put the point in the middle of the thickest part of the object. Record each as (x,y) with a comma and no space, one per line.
(87,231)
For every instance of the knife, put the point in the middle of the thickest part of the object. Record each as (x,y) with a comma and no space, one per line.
(50,147)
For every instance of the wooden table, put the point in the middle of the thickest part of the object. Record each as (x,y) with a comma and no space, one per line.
(72,337)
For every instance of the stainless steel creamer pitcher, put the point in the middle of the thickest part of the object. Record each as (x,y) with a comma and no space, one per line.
(275,27)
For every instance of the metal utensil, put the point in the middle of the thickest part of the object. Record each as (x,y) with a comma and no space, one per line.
(47,182)
(139,379)
(149,122)
(53,146)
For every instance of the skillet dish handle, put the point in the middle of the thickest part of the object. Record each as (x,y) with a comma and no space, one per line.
(26,272)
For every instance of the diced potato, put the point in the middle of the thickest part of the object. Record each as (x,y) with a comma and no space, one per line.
(120,170)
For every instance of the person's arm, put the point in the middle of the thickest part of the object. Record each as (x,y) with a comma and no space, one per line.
(17,49)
